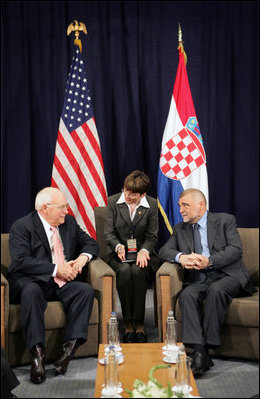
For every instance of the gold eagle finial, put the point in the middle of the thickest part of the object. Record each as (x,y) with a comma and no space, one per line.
(77,27)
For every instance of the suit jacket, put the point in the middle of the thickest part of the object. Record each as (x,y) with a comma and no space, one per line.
(118,226)
(224,246)
(30,251)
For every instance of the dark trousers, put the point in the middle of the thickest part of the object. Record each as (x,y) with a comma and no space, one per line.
(77,299)
(131,283)
(204,327)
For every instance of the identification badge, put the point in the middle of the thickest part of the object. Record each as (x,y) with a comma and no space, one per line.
(131,245)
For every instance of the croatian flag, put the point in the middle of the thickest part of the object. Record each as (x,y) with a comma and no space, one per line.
(183,159)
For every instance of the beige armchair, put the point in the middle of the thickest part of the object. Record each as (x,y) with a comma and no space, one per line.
(102,279)
(240,331)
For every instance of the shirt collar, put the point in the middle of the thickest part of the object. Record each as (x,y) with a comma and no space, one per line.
(143,202)
(203,220)
(46,225)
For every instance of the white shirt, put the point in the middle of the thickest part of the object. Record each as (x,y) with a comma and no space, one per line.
(143,202)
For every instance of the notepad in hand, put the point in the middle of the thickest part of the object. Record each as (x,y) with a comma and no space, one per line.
(130,258)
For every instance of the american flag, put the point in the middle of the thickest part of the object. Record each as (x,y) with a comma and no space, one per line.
(78,169)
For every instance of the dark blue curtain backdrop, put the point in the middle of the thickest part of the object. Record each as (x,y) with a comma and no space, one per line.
(131,57)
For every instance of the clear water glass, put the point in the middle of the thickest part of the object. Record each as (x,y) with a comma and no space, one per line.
(182,375)
(170,335)
(113,334)
(110,389)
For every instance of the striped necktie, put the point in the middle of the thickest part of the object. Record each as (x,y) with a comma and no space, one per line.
(58,254)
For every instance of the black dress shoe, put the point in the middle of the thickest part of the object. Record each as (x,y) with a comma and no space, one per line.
(37,374)
(129,337)
(140,337)
(69,348)
(201,362)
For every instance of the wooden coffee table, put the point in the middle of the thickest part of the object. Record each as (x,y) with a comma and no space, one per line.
(139,358)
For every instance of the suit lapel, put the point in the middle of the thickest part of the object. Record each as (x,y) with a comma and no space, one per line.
(39,229)
(140,212)
(188,234)
(65,240)
(124,212)
(211,229)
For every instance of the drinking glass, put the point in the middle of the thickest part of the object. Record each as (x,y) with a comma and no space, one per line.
(113,334)
(170,340)
(182,376)
(170,335)
(110,389)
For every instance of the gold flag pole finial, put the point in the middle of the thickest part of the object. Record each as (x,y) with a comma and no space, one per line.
(181,43)
(180,33)
(77,27)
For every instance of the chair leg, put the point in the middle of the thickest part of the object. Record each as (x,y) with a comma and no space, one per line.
(2,316)
(155,304)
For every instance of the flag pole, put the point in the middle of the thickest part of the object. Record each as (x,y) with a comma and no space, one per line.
(77,27)
(78,169)
(180,47)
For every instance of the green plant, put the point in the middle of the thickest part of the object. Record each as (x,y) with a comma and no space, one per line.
(153,389)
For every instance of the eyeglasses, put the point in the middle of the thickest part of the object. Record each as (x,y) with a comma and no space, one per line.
(60,207)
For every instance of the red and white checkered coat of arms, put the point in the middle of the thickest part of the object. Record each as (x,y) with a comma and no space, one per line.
(184,152)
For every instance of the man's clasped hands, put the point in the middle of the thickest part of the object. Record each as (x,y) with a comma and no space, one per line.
(69,270)
(194,261)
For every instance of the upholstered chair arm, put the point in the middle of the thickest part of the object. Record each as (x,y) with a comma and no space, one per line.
(4,310)
(103,280)
(169,279)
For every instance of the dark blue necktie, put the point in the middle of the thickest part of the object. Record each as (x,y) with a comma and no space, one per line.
(198,276)
(197,239)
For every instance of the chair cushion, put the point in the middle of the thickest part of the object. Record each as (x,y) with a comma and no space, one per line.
(54,316)
(243,311)
(250,244)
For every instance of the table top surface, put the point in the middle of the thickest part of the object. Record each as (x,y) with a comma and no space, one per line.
(138,360)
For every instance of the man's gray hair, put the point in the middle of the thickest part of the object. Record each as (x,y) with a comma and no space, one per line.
(44,197)
(195,193)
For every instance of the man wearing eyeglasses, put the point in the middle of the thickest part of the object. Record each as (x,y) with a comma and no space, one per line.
(49,251)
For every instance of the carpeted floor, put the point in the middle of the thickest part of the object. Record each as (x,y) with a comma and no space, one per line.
(229,378)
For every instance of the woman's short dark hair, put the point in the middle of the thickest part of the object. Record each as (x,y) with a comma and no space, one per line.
(137,182)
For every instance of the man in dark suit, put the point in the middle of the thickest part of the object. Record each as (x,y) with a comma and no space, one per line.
(208,247)
(48,251)
(131,229)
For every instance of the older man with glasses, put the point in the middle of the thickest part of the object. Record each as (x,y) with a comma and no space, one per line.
(49,251)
